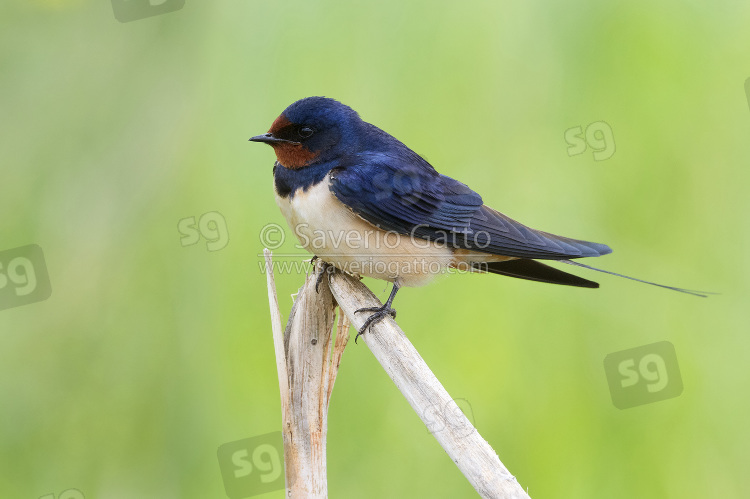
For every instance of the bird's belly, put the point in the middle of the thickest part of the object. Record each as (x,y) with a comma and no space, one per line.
(327,228)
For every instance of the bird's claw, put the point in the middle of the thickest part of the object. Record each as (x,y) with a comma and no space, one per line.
(325,268)
(379,313)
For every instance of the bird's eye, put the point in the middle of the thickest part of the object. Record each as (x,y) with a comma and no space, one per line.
(305,132)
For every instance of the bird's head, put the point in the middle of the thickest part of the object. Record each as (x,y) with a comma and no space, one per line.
(310,131)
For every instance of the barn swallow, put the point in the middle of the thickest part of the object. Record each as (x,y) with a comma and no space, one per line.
(363,202)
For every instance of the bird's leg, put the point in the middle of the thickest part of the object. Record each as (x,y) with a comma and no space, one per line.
(379,312)
(325,268)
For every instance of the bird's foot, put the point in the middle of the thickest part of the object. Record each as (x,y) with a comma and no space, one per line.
(325,268)
(379,313)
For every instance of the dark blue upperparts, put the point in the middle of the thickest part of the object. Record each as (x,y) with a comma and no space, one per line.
(399,192)
(392,187)
(410,198)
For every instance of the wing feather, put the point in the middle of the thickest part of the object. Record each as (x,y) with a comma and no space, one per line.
(407,195)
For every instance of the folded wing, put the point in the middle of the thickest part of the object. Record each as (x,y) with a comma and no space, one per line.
(407,195)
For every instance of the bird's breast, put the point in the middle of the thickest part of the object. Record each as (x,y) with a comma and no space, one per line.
(326,227)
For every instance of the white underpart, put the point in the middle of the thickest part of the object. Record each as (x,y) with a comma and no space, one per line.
(327,228)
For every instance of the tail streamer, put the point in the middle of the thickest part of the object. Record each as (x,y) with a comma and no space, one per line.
(702,294)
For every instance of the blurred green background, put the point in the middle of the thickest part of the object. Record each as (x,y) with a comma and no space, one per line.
(149,354)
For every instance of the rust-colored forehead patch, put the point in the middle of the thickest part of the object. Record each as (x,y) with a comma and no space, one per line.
(279,123)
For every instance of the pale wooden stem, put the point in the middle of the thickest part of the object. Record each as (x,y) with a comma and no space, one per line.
(307,370)
(342,338)
(460,440)
(278,338)
(306,376)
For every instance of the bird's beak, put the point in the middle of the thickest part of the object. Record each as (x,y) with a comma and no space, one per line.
(268,138)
